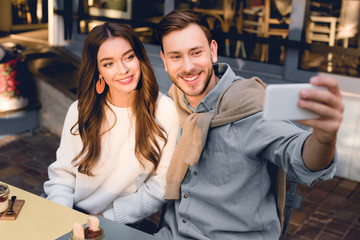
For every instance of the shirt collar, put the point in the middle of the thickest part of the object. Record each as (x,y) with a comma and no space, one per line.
(208,103)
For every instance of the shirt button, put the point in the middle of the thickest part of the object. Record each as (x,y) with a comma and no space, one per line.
(184,220)
(194,173)
(185,195)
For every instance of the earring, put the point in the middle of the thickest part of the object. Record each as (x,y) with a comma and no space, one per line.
(100,86)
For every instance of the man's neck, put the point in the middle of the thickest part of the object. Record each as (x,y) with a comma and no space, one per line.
(194,101)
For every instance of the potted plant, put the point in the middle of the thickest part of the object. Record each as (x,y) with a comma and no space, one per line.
(12,68)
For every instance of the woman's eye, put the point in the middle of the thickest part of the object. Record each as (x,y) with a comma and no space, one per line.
(130,57)
(107,64)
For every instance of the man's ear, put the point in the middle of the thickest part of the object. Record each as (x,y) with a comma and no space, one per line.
(213,49)
(163,58)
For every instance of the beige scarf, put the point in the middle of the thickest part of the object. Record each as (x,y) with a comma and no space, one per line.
(241,99)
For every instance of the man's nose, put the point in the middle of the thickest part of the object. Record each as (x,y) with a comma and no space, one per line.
(188,64)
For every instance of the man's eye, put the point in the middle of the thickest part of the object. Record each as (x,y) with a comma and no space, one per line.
(197,52)
(175,57)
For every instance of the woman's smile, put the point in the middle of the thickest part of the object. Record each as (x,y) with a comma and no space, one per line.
(126,80)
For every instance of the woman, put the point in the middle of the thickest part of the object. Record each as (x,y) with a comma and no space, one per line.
(118,137)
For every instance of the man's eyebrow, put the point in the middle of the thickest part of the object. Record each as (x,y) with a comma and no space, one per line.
(109,58)
(191,49)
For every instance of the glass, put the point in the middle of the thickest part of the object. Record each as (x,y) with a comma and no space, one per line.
(250,29)
(102,237)
(112,9)
(333,34)
(29,11)
(4,197)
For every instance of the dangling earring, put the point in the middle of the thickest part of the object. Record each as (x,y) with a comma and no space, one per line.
(100,86)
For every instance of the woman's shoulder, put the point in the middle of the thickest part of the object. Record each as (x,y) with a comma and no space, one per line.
(165,101)
(165,108)
(73,108)
(72,112)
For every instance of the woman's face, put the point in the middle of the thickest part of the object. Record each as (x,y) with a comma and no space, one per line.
(120,68)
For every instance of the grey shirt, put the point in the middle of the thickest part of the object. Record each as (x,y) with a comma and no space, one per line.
(229,194)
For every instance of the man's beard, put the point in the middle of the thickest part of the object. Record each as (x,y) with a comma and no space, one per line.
(207,82)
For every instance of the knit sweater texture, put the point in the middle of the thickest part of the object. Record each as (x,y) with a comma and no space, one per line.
(119,188)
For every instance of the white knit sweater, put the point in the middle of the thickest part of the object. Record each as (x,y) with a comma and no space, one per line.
(118,189)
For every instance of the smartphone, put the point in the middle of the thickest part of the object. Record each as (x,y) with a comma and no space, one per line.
(281,102)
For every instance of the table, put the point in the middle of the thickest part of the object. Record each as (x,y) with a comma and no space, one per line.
(114,230)
(43,219)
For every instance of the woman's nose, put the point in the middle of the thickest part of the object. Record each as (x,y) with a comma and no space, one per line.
(123,68)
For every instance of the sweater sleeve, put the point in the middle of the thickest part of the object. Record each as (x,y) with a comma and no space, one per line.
(149,197)
(60,186)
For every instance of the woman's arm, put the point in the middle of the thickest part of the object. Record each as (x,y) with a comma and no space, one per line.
(61,184)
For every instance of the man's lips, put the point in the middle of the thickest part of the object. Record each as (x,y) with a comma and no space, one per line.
(126,80)
(191,79)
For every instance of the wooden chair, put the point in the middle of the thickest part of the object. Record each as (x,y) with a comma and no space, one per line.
(322,29)
(349,22)
(273,27)
(251,21)
(224,14)
(258,20)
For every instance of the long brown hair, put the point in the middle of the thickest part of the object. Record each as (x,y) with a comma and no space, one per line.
(179,19)
(92,106)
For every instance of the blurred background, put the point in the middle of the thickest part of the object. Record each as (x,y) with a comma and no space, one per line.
(280,41)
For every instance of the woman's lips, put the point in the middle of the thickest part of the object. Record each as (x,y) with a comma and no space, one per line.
(126,80)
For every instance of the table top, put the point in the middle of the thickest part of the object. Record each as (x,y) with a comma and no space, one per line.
(43,219)
(114,230)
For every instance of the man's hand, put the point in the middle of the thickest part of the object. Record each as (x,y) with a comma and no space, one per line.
(319,148)
(328,104)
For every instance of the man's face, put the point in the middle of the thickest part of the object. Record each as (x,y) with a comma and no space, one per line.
(188,59)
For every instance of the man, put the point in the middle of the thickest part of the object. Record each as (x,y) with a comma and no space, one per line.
(220,173)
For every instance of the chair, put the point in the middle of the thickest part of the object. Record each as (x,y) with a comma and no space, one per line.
(349,21)
(285,200)
(250,20)
(258,20)
(322,29)
(224,14)
(274,27)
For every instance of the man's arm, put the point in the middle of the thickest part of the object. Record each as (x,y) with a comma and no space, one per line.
(319,148)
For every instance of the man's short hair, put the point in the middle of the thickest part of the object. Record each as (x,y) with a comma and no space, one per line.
(179,19)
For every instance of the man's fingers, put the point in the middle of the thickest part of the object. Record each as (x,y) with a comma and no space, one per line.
(330,83)
(323,97)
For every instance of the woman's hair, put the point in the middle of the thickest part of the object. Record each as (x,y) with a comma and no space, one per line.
(92,106)
(179,19)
